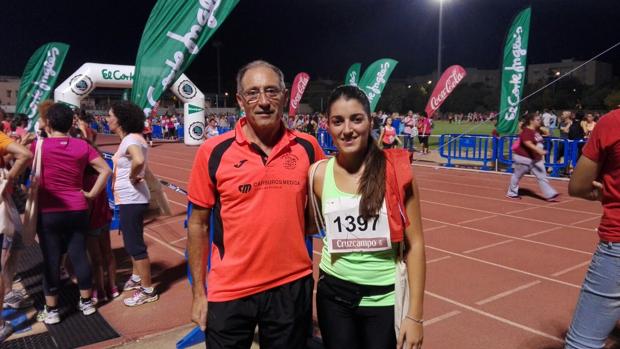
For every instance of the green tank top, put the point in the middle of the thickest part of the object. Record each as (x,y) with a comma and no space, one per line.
(364,268)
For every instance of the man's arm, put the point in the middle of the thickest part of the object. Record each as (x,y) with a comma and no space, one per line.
(198,239)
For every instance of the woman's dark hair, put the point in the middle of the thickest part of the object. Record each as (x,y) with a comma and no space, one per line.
(84,116)
(60,117)
(528,119)
(130,116)
(372,183)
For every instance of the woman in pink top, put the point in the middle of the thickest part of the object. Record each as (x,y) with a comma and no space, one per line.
(424,126)
(63,208)
(388,135)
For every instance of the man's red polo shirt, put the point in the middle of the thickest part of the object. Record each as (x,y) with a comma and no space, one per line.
(258,205)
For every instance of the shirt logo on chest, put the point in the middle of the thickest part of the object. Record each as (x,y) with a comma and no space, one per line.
(240,163)
(245,188)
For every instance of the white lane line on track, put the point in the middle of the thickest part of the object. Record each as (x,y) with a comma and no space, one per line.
(508,293)
(477,219)
(568,270)
(512,237)
(505,267)
(165,244)
(502,214)
(438,259)
(488,246)
(441,318)
(542,232)
(494,317)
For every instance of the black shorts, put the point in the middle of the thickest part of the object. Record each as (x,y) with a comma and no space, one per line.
(283,315)
(387,145)
(423,140)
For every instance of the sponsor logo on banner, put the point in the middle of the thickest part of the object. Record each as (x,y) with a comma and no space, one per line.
(116,75)
(299,86)
(192,109)
(197,130)
(353,78)
(519,53)
(81,84)
(186,89)
(375,89)
(447,83)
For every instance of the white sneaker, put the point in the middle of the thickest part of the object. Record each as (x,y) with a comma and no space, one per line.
(48,316)
(88,307)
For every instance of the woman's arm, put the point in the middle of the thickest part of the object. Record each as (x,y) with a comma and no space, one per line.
(104,172)
(137,163)
(411,331)
(380,140)
(583,181)
(23,158)
(530,145)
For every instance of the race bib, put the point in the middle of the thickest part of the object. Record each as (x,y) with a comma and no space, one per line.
(347,231)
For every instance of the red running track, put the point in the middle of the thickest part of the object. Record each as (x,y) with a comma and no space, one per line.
(501,273)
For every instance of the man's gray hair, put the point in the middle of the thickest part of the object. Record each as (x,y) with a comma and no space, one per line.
(258,63)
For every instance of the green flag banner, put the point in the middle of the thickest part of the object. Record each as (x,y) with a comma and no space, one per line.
(513,73)
(374,79)
(39,78)
(174,34)
(353,74)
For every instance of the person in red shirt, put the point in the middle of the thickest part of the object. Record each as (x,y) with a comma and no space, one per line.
(597,178)
(528,157)
(253,180)
(425,125)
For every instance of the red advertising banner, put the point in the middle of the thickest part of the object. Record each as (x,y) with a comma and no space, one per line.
(448,81)
(297,91)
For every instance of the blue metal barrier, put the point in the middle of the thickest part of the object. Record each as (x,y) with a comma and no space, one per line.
(157,132)
(325,141)
(575,150)
(180,133)
(222,130)
(473,148)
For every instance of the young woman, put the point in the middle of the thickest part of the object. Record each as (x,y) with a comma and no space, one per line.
(132,195)
(424,131)
(597,177)
(588,125)
(63,208)
(363,201)
(529,157)
(388,136)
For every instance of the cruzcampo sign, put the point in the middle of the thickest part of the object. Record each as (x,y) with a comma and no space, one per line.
(374,79)
(513,73)
(39,78)
(173,36)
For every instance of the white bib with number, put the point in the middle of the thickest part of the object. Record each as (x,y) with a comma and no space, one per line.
(347,231)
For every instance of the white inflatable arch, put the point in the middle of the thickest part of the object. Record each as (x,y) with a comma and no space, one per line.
(92,75)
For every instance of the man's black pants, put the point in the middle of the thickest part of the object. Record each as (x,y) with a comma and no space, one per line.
(283,315)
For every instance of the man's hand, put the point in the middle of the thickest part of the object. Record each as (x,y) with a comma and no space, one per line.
(136,179)
(597,191)
(199,311)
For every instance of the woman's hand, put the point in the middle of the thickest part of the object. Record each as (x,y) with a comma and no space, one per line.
(411,335)
(88,195)
(136,179)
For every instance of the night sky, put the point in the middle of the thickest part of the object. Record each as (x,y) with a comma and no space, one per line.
(321,37)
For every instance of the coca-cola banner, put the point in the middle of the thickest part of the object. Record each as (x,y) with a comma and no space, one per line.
(297,91)
(447,83)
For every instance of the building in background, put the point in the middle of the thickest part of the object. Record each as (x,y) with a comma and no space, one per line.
(9,85)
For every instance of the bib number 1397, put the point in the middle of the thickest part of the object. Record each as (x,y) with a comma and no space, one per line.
(352,223)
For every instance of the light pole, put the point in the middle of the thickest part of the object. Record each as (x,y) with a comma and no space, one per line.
(217,44)
(439,39)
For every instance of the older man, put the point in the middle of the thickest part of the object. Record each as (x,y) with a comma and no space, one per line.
(253,181)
